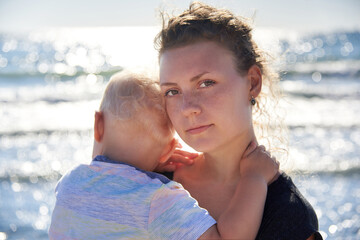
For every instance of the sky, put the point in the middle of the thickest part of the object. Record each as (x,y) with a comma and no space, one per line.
(300,15)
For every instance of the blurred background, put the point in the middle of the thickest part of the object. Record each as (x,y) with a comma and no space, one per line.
(56,57)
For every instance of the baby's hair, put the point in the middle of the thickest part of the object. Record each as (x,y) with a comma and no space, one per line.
(137,98)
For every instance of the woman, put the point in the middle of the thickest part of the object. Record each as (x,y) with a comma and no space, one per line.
(211,75)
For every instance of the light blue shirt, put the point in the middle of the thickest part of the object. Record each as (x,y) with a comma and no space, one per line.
(106,200)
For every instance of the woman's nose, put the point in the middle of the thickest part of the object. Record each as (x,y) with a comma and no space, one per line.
(190,106)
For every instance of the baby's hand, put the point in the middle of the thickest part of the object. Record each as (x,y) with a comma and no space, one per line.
(178,158)
(257,162)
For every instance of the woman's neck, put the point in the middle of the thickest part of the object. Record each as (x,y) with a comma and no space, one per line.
(223,164)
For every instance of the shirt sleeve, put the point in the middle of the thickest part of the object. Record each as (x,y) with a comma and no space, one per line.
(174,214)
(287,214)
(288,222)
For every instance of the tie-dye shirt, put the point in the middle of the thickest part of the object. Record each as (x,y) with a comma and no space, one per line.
(107,200)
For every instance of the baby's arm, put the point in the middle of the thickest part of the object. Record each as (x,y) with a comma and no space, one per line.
(242,218)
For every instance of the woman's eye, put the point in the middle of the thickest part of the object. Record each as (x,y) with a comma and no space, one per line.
(207,83)
(171,92)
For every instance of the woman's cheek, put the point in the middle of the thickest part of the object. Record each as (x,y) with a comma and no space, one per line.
(171,109)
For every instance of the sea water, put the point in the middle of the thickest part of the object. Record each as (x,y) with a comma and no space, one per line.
(51,83)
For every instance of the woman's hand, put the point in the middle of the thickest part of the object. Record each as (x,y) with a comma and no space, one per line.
(257,162)
(179,158)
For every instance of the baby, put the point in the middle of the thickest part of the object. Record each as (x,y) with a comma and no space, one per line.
(119,196)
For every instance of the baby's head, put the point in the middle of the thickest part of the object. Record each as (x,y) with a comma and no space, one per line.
(132,125)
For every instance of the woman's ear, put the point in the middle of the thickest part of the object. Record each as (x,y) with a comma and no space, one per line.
(99,126)
(169,150)
(255,77)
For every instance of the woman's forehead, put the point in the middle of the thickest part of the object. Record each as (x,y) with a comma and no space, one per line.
(194,60)
(206,48)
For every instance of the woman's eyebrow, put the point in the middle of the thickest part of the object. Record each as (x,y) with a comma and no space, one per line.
(167,84)
(191,80)
(198,76)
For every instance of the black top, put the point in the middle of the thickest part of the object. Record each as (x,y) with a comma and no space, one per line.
(287,214)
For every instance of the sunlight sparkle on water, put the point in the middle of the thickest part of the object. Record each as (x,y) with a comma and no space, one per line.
(40,224)
(3,236)
(37,195)
(333,229)
(316,76)
(16,187)
(56,165)
(44,210)
(127,46)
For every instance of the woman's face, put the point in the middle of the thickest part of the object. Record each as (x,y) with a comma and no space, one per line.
(207,100)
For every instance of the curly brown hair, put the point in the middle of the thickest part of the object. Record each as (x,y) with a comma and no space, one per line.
(202,22)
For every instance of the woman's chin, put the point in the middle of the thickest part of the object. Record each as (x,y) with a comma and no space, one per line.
(200,145)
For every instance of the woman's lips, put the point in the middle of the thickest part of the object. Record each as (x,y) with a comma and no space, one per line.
(197,130)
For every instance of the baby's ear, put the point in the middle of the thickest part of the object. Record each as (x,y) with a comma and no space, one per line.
(99,126)
(169,150)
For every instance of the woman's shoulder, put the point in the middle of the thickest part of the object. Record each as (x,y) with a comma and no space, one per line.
(284,191)
(287,196)
(287,212)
